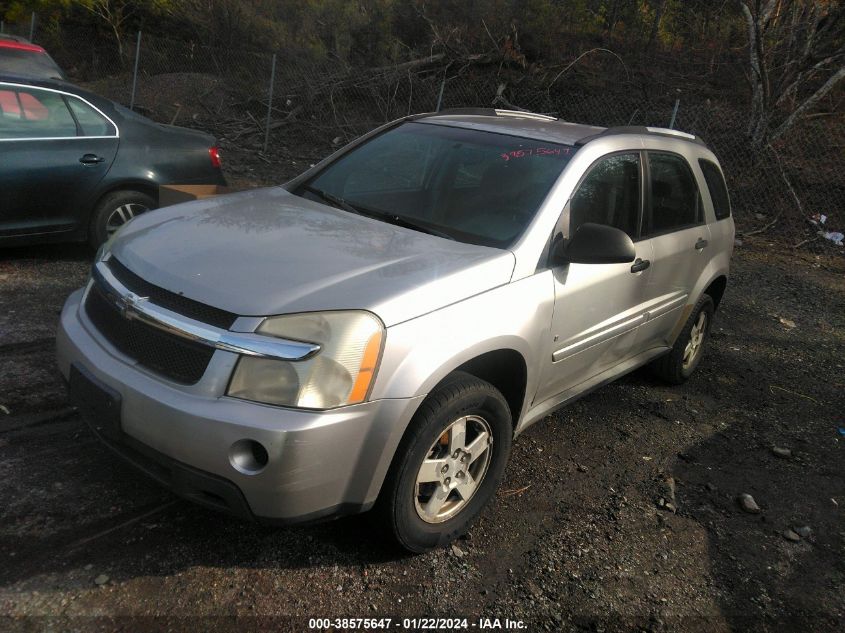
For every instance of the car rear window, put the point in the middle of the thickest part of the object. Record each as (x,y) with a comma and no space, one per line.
(29,63)
(717,188)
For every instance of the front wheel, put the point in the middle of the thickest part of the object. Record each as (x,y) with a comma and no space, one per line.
(449,464)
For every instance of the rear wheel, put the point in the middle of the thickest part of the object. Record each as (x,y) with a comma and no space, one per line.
(114,210)
(677,366)
(449,464)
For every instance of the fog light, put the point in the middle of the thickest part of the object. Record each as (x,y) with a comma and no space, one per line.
(248,457)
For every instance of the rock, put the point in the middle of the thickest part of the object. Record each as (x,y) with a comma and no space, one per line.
(711,487)
(457,551)
(101,580)
(89,567)
(803,531)
(582,468)
(788,323)
(781,453)
(747,503)
(534,589)
(789,535)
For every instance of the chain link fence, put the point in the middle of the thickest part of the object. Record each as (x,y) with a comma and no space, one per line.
(281,112)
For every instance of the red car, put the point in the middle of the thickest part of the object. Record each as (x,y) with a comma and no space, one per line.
(19,57)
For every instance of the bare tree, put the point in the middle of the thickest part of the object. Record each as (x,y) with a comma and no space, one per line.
(116,13)
(796,57)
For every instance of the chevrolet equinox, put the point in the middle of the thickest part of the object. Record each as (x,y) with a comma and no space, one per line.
(374,333)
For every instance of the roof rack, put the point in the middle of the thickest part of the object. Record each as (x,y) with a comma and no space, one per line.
(640,129)
(491,112)
(523,113)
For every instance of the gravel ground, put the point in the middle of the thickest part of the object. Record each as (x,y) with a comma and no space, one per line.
(619,512)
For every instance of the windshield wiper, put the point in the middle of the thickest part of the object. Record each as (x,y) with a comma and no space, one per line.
(399,220)
(391,218)
(333,199)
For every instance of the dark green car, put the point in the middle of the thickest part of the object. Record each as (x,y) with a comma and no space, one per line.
(76,166)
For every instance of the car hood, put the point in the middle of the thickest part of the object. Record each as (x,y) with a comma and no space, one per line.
(267,252)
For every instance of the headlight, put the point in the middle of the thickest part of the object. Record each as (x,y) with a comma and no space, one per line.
(341,373)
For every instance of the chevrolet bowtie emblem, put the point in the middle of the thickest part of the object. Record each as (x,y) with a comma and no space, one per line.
(127,304)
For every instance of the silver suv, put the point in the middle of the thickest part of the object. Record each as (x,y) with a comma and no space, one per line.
(378,330)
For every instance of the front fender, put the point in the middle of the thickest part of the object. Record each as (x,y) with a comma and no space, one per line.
(421,352)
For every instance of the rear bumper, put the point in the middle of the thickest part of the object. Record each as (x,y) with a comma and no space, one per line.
(319,463)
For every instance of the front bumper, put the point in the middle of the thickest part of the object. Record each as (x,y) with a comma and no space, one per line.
(320,463)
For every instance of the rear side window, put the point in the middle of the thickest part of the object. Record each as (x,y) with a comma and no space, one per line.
(90,121)
(717,188)
(610,194)
(34,114)
(674,200)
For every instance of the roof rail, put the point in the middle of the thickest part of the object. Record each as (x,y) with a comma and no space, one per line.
(491,112)
(640,129)
(523,113)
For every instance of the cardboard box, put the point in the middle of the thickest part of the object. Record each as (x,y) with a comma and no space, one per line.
(174,194)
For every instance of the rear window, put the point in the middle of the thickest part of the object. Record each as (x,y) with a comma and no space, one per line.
(29,63)
(717,188)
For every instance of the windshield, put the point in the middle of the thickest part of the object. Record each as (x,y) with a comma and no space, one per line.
(473,186)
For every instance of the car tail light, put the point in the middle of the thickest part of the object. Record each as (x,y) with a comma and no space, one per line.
(214,153)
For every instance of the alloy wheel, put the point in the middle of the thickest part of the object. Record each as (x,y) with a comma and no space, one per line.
(453,469)
(696,341)
(121,215)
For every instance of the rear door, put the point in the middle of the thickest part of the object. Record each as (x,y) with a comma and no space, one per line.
(598,307)
(55,148)
(674,225)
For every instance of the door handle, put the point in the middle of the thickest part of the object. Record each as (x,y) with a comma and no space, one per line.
(701,243)
(91,159)
(640,265)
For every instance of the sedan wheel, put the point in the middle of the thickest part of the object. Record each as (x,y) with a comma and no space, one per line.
(114,210)
(121,215)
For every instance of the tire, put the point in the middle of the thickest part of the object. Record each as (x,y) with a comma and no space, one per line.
(674,367)
(403,501)
(115,209)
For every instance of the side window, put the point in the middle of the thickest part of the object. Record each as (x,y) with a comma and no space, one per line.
(717,188)
(610,194)
(92,122)
(34,114)
(675,203)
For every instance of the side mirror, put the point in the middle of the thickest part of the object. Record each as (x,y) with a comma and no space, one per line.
(595,244)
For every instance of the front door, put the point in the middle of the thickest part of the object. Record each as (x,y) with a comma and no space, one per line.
(598,307)
(54,151)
